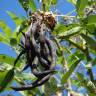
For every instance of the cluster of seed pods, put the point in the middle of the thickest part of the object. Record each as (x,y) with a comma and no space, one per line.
(38,49)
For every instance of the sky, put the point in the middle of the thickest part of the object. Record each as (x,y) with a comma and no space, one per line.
(62,7)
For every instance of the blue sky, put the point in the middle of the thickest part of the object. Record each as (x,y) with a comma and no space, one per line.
(62,7)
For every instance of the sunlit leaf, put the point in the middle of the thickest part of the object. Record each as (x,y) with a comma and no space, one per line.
(60,60)
(71,58)
(6,80)
(16,19)
(80,5)
(76,45)
(80,76)
(36,91)
(5,28)
(72,1)
(69,72)
(32,5)
(91,29)
(2,76)
(47,89)
(53,2)
(25,76)
(91,42)
(21,28)
(91,19)
(80,55)
(47,4)
(71,31)
(24,4)
(59,28)
(53,84)
(15,34)
(3,39)
(7,59)
(89,85)
(69,35)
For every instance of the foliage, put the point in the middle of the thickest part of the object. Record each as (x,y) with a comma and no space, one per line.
(76,47)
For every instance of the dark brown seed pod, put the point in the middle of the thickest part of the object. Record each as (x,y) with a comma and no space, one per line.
(36,44)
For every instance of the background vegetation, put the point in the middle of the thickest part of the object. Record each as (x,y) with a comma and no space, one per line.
(75,38)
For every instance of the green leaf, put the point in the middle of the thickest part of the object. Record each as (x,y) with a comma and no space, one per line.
(69,35)
(72,1)
(71,58)
(69,72)
(3,39)
(6,80)
(2,75)
(53,84)
(36,91)
(24,4)
(7,59)
(25,76)
(5,28)
(62,29)
(50,87)
(21,28)
(89,85)
(60,60)
(80,76)
(91,94)
(47,4)
(15,34)
(47,89)
(91,29)
(80,5)
(53,2)
(91,42)
(80,55)
(76,45)
(71,31)
(32,5)
(59,28)
(13,41)
(16,19)
(91,19)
